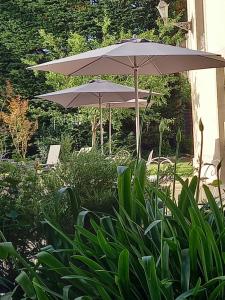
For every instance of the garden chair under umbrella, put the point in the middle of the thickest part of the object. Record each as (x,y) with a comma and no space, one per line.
(94,92)
(134,56)
(123,105)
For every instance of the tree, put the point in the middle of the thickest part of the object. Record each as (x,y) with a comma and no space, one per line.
(17,124)
(38,31)
(22,20)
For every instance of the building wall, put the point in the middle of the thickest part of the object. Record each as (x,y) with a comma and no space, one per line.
(208,93)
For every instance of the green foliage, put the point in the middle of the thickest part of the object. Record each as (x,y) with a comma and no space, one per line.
(171,87)
(94,177)
(28,194)
(66,147)
(19,210)
(33,32)
(133,255)
(184,169)
(22,21)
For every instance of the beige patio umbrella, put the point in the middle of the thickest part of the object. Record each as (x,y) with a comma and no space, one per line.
(134,56)
(95,92)
(122,105)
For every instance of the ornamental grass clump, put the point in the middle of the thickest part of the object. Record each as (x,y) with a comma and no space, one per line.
(140,252)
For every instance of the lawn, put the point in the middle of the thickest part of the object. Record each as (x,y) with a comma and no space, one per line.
(184,169)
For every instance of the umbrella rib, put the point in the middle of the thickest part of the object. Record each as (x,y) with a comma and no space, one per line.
(131,61)
(157,68)
(143,63)
(151,60)
(92,62)
(74,99)
(81,68)
(113,59)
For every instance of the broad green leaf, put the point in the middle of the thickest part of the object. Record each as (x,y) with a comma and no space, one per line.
(139,186)
(6,249)
(66,290)
(104,244)
(103,294)
(124,190)
(108,225)
(185,270)
(124,273)
(44,290)
(87,234)
(165,261)
(152,225)
(81,217)
(212,242)
(74,200)
(148,264)
(213,281)
(174,210)
(193,240)
(218,292)
(95,267)
(26,284)
(189,293)
(40,293)
(52,262)
(219,218)
(184,201)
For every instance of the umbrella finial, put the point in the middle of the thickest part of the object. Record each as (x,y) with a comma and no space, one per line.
(134,39)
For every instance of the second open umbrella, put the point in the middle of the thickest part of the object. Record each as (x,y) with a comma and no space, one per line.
(94,92)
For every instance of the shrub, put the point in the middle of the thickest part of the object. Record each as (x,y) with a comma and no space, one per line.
(92,174)
(141,252)
(19,210)
(26,198)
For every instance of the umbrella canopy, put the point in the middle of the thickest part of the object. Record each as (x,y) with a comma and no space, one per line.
(151,58)
(92,92)
(134,56)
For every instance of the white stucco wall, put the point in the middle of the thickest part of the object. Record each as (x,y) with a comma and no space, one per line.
(208,96)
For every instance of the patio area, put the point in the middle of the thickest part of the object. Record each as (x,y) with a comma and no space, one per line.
(112,177)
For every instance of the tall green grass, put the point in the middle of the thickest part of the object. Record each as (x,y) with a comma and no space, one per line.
(138,253)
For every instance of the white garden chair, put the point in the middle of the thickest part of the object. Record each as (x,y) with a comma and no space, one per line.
(53,156)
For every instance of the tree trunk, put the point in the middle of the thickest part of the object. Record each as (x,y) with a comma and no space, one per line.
(94,126)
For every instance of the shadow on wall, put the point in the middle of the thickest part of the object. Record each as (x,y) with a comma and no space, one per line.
(196,115)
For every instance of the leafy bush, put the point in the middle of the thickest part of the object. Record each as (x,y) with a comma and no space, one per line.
(92,174)
(152,248)
(19,210)
(27,197)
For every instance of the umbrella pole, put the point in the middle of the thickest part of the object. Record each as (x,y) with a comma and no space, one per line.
(101,128)
(110,130)
(137,109)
